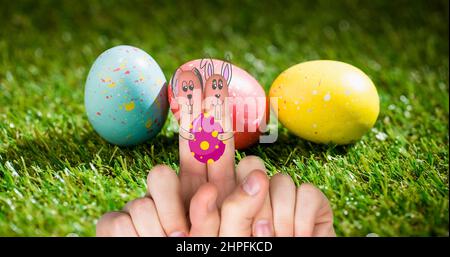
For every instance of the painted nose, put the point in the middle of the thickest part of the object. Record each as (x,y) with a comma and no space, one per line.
(189,96)
(217,95)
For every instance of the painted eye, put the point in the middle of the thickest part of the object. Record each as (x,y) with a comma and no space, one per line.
(214,84)
(220,84)
(184,86)
(191,85)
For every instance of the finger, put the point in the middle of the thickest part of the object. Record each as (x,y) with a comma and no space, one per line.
(221,172)
(204,213)
(220,164)
(282,196)
(192,171)
(263,225)
(117,224)
(310,206)
(145,218)
(240,208)
(164,188)
(325,228)
(324,221)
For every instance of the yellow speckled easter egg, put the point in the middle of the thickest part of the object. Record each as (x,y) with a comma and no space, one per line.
(326,101)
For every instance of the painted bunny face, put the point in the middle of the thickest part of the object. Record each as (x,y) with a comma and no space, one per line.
(216,85)
(188,85)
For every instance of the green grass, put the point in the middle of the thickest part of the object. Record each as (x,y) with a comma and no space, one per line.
(57,176)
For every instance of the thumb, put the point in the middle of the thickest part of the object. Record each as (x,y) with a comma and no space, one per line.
(240,208)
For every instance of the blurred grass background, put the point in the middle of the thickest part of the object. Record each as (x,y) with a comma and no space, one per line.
(57,176)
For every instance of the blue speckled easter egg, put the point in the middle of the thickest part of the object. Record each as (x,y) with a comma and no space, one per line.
(126,96)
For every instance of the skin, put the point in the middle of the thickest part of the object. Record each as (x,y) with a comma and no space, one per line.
(220,173)
(192,172)
(189,92)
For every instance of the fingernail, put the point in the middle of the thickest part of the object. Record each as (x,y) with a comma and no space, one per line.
(177,234)
(262,228)
(251,185)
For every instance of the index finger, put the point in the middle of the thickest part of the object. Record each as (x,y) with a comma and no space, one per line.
(313,215)
(164,188)
(221,138)
(188,90)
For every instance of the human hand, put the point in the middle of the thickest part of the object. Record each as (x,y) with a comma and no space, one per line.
(302,211)
(161,212)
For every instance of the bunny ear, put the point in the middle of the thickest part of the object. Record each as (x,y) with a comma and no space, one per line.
(228,57)
(208,67)
(227,71)
(174,82)
(203,63)
(197,73)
